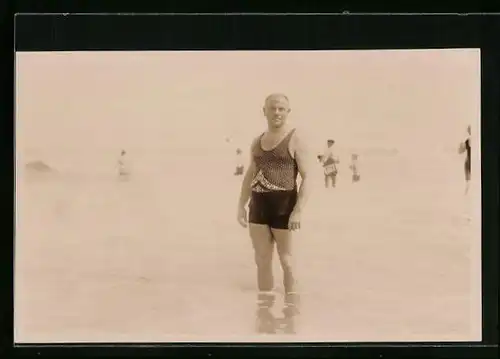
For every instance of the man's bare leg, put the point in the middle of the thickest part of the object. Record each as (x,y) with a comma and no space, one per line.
(283,238)
(263,245)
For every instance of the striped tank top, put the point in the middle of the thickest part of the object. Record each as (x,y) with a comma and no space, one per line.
(276,169)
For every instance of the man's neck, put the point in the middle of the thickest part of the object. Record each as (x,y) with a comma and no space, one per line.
(277,131)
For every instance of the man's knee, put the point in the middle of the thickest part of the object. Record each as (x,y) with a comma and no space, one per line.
(263,260)
(286,262)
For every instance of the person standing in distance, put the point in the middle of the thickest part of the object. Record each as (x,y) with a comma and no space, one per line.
(354,168)
(330,164)
(123,170)
(465,148)
(270,184)
(239,163)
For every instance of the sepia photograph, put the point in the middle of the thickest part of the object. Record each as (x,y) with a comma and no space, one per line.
(248,196)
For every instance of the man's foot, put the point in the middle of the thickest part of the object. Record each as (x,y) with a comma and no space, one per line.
(266,323)
(287,323)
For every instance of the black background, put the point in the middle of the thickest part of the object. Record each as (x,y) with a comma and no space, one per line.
(72,32)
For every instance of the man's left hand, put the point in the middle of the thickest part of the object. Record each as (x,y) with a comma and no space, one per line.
(294,221)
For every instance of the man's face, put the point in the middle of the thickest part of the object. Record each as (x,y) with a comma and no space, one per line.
(276,110)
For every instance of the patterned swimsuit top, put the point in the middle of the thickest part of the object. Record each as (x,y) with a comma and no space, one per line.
(276,169)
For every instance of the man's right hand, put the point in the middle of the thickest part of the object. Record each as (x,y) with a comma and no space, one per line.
(242,217)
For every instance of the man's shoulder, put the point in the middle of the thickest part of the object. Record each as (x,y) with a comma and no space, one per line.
(297,135)
(298,141)
(256,139)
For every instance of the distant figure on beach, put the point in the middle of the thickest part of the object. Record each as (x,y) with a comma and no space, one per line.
(354,168)
(329,162)
(123,170)
(38,166)
(239,163)
(465,148)
(270,184)
(37,170)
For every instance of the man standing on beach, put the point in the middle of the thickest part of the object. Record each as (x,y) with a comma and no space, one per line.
(270,183)
(465,148)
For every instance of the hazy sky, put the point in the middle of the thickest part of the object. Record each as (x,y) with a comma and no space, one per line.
(154,100)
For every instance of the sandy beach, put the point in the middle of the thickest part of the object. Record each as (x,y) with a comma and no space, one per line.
(109,261)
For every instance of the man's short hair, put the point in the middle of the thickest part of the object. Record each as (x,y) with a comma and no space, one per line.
(330,141)
(276,95)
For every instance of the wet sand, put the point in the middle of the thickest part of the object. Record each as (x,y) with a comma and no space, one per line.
(391,258)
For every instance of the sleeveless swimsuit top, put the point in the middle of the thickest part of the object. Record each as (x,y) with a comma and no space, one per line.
(276,169)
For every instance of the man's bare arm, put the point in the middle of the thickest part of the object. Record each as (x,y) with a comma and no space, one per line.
(246,189)
(302,156)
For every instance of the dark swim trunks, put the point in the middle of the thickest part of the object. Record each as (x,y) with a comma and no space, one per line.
(272,208)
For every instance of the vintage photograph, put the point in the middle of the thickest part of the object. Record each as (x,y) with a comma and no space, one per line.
(248,196)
